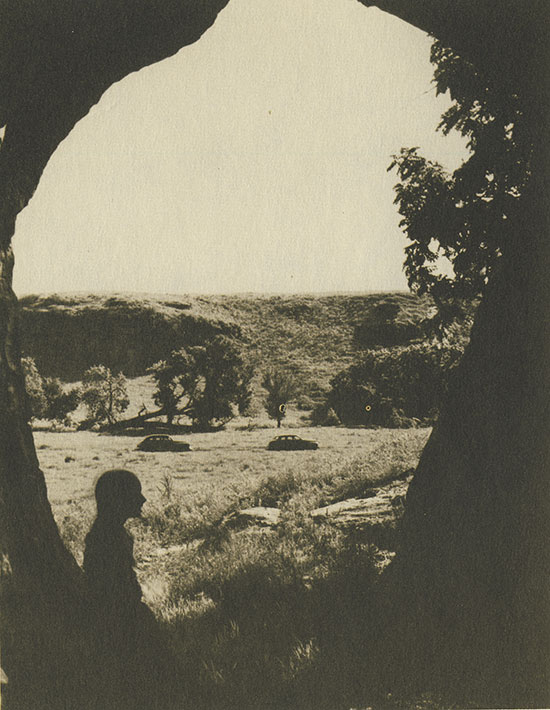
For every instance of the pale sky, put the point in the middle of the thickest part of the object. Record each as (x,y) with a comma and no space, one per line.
(253,161)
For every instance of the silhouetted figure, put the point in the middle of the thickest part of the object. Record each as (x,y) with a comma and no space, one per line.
(108,554)
(137,668)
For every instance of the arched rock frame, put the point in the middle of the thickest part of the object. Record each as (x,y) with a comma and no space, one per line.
(478,505)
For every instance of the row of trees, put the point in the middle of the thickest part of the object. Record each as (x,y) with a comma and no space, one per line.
(206,383)
(103,393)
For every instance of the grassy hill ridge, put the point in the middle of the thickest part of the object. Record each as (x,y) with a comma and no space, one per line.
(314,336)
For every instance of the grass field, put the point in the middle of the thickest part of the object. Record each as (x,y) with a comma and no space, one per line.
(255,617)
(217,459)
(223,468)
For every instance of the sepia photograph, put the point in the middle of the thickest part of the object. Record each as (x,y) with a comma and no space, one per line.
(274,354)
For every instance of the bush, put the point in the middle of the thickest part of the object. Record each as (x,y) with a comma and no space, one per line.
(277,489)
(46,396)
(399,387)
(305,403)
(323,415)
(34,386)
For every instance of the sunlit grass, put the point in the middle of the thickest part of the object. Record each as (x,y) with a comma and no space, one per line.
(258,617)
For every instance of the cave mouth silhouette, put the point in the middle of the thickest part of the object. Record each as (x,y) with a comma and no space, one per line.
(483,450)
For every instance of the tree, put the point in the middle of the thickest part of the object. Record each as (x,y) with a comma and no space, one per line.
(59,402)
(226,382)
(203,382)
(177,380)
(104,394)
(392,387)
(47,398)
(467,217)
(281,388)
(34,387)
(483,464)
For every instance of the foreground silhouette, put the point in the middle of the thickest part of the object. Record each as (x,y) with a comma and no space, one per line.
(136,669)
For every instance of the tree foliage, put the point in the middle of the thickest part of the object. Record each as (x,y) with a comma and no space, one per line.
(104,394)
(59,402)
(281,388)
(394,387)
(204,382)
(46,396)
(34,386)
(464,216)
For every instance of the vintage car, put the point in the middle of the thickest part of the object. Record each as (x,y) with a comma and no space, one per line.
(162,442)
(291,442)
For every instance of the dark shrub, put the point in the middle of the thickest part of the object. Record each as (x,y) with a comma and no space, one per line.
(323,415)
(403,386)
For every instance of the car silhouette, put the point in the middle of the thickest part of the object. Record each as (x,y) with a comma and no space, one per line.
(290,442)
(162,442)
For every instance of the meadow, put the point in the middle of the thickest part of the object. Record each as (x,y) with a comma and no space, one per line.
(286,616)
(256,617)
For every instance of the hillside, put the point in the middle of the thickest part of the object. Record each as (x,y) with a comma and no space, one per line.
(313,336)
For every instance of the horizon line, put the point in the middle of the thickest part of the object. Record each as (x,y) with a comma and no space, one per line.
(195,294)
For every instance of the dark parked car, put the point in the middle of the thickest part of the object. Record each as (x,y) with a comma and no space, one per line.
(290,442)
(162,442)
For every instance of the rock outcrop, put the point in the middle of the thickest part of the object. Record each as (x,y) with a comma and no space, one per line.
(381,510)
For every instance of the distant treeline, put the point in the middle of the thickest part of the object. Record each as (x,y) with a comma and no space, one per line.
(369,359)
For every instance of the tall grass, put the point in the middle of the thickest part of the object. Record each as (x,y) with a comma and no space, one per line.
(255,614)
(354,478)
(285,617)
(270,617)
